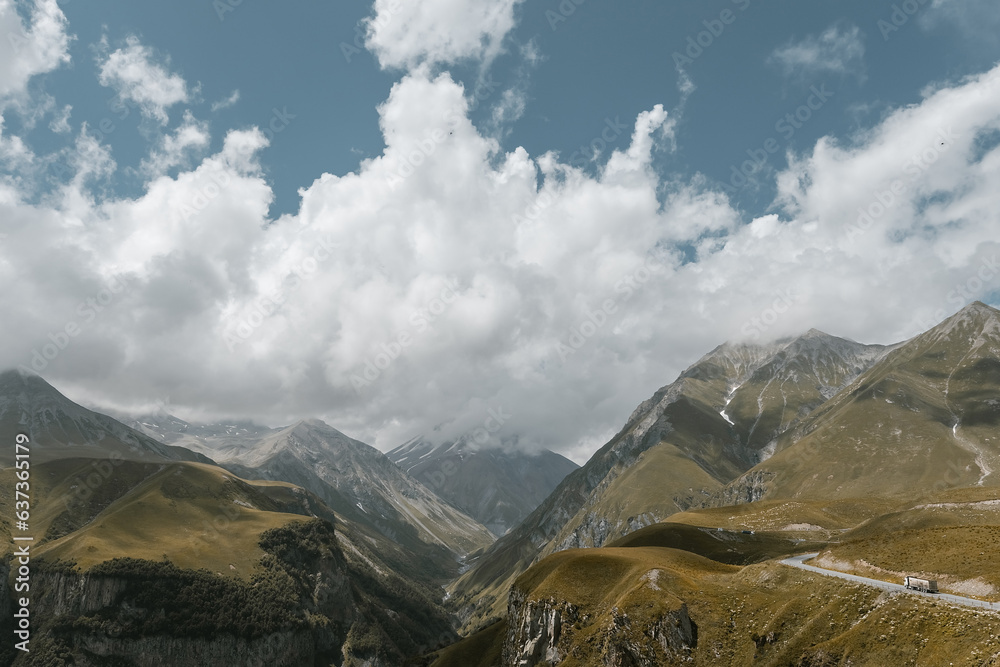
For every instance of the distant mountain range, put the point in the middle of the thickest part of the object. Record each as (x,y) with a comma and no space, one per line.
(353,478)
(497,487)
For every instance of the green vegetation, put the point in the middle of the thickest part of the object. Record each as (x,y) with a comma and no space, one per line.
(192,603)
(727,546)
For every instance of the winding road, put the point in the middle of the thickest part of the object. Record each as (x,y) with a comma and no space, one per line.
(797,561)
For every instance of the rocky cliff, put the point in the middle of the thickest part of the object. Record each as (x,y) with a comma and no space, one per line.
(308,605)
(547,631)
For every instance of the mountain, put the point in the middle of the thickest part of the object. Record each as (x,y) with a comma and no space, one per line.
(793,382)
(170,429)
(677,450)
(58,427)
(187,559)
(923,419)
(139,552)
(497,487)
(352,478)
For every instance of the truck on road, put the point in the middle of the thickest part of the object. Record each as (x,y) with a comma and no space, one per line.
(923,585)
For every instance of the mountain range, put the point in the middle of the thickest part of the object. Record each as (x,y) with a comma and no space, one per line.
(803,418)
(338,553)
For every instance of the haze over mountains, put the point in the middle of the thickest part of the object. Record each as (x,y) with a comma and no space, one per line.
(498,487)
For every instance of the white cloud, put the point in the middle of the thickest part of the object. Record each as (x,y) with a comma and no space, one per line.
(133,73)
(459,276)
(60,121)
(840,49)
(177,149)
(233,98)
(28,50)
(438,32)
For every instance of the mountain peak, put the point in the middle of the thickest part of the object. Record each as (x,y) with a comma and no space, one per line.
(978,309)
(976,320)
(815,333)
(311,424)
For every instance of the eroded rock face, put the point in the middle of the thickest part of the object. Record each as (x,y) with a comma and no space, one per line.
(625,645)
(749,488)
(541,632)
(534,630)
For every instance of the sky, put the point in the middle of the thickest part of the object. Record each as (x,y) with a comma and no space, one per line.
(423,217)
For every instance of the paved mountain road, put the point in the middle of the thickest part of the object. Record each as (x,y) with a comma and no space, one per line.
(797,561)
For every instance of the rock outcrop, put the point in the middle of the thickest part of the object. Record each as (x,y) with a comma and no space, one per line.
(543,632)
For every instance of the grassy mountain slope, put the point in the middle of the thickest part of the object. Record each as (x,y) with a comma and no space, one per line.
(923,419)
(184,512)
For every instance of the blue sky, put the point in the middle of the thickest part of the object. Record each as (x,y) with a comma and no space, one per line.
(602,61)
(397,216)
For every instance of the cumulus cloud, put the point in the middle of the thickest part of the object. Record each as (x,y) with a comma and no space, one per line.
(840,49)
(404,35)
(26,50)
(446,277)
(133,72)
(177,148)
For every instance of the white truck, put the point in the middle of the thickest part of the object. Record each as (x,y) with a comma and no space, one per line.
(922,585)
